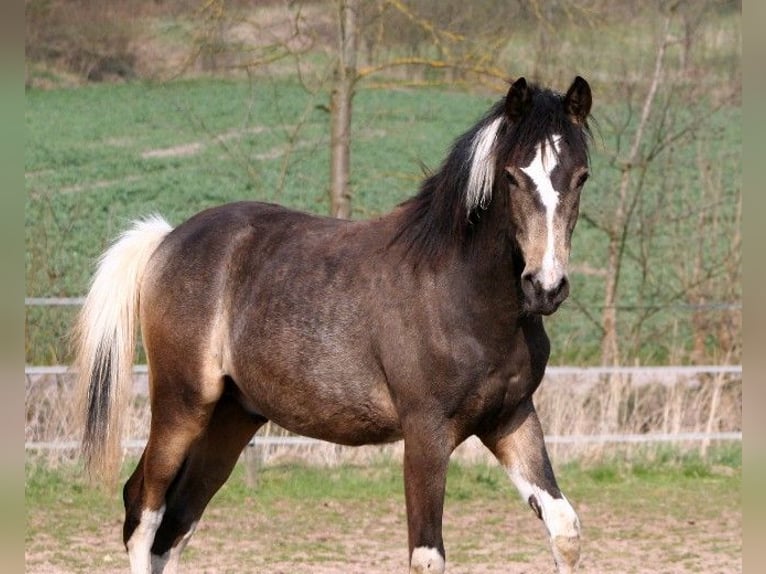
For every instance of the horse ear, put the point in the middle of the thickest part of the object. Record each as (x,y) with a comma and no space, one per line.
(517,100)
(578,100)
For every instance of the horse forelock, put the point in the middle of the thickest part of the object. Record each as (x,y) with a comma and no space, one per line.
(545,123)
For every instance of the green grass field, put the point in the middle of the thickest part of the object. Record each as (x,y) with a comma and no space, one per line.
(102,155)
(671,513)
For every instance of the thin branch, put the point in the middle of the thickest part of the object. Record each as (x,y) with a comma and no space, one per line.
(432,63)
(649,100)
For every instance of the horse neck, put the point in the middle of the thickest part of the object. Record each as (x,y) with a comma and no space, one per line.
(489,253)
(482,261)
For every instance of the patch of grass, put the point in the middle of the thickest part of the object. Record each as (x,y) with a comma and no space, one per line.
(661,463)
(467,482)
(603,474)
(668,484)
(62,510)
(303,482)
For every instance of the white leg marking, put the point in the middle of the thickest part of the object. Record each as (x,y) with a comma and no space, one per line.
(539,171)
(425,559)
(560,520)
(168,562)
(140,542)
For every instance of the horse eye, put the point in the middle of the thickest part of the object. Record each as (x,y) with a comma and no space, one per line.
(511,179)
(582,179)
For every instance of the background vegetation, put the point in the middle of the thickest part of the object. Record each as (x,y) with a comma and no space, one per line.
(135,107)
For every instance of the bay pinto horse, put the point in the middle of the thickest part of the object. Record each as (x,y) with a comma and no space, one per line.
(423,325)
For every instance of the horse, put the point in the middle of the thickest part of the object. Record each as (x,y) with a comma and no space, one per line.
(423,325)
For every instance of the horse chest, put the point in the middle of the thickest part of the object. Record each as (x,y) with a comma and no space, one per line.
(506,375)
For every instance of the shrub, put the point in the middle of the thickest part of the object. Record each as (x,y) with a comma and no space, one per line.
(93,39)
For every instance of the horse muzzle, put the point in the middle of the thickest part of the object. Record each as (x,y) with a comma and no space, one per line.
(543,298)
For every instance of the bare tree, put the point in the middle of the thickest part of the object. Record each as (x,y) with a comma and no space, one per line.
(341,101)
(651,200)
(461,39)
(629,191)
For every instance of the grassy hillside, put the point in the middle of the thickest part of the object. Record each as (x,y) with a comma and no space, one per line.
(102,155)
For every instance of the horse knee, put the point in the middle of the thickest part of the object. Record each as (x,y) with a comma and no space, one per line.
(426,560)
(560,518)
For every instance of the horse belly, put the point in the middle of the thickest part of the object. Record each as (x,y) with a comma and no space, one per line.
(341,411)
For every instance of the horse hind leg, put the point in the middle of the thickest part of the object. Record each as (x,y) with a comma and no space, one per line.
(208,465)
(143,559)
(520,447)
(179,417)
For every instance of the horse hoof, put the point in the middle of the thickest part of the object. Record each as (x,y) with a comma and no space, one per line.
(566,552)
(426,561)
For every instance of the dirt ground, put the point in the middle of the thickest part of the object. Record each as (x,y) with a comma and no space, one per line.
(482,537)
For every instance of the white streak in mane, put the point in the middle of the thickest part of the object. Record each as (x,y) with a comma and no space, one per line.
(482,177)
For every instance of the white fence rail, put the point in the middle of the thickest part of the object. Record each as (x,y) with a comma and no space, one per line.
(136,444)
(668,375)
(549,371)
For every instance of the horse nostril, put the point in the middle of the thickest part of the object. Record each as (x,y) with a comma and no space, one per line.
(526,278)
(561,290)
(529,283)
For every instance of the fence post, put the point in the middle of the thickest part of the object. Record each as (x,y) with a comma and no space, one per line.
(253,457)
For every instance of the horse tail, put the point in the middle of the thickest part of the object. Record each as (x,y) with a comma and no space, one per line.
(105,339)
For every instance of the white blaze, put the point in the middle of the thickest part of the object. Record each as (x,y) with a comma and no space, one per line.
(539,171)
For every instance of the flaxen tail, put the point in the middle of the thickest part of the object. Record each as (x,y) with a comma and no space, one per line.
(105,336)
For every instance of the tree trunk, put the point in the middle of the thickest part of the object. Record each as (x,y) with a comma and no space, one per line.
(341,99)
(610,352)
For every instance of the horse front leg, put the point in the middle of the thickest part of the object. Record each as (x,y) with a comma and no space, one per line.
(426,458)
(520,447)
